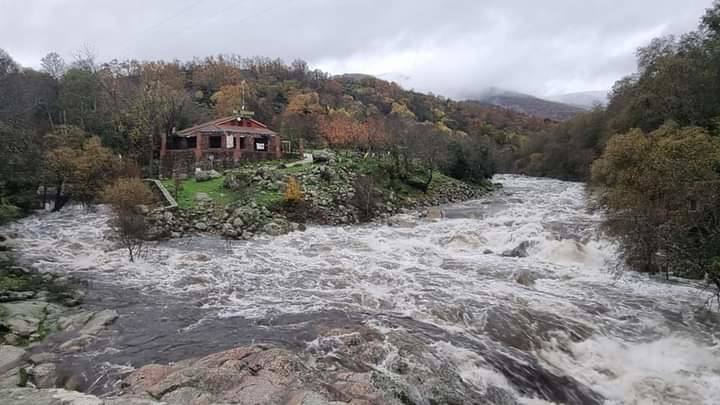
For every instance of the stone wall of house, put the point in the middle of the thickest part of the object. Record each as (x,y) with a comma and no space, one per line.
(178,161)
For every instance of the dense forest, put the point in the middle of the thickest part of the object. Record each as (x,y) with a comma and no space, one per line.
(653,154)
(53,119)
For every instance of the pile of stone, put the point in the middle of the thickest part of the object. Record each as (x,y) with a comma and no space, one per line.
(233,221)
(261,178)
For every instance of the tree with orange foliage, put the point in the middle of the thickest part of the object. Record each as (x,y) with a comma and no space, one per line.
(376,133)
(339,129)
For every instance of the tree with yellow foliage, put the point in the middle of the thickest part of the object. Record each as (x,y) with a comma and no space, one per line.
(293,192)
(233,98)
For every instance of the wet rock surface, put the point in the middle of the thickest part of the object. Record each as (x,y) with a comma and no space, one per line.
(33,307)
(30,396)
(249,375)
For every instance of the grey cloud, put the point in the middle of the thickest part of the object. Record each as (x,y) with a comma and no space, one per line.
(449,47)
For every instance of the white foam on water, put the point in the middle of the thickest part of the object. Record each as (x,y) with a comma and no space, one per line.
(436,273)
(471,367)
(671,370)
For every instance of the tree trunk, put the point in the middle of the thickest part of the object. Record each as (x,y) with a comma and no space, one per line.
(429,180)
(60,199)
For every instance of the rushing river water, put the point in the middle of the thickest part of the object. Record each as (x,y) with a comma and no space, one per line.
(557,326)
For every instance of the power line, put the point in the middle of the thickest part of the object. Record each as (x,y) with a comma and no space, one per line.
(172,17)
(206,20)
(245,18)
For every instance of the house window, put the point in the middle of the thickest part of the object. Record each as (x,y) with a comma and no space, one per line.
(260,144)
(215,142)
(192,142)
(229,141)
(242,143)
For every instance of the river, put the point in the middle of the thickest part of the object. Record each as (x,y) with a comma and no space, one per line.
(557,326)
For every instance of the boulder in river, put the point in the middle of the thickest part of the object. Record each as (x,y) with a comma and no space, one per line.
(525,277)
(99,321)
(520,250)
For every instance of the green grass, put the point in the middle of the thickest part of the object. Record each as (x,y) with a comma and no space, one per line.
(213,188)
(267,199)
(294,170)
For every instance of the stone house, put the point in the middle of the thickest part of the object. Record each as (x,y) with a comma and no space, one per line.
(222,144)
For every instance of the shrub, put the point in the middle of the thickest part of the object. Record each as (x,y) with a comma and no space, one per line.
(124,196)
(8,212)
(127,193)
(293,193)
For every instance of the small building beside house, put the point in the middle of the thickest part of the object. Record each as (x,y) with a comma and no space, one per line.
(222,144)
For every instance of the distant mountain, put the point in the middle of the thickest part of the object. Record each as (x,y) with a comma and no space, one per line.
(586,99)
(398,78)
(527,104)
(355,76)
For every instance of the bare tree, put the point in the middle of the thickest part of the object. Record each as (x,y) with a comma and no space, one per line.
(364,197)
(125,196)
(54,65)
(85,59)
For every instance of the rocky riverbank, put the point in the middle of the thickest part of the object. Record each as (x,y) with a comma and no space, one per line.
(34,306)
(341,367)
(328,192)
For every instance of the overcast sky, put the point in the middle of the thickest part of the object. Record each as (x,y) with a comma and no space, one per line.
(451,47)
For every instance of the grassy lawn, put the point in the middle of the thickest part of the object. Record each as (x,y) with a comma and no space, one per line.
(213,188)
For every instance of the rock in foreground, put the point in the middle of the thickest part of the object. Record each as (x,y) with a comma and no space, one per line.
(250,375)
(30,396)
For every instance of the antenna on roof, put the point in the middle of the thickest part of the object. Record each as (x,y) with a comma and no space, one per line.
(242,87)
(243,113)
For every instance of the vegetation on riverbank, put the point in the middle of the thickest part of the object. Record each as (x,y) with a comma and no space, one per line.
(274,197)
(655,149)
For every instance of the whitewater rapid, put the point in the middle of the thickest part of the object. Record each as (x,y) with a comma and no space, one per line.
(556,326)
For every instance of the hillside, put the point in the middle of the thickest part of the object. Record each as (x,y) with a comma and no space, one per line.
(527,104)
(583,99)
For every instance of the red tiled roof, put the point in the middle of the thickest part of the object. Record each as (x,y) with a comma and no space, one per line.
(214,126)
